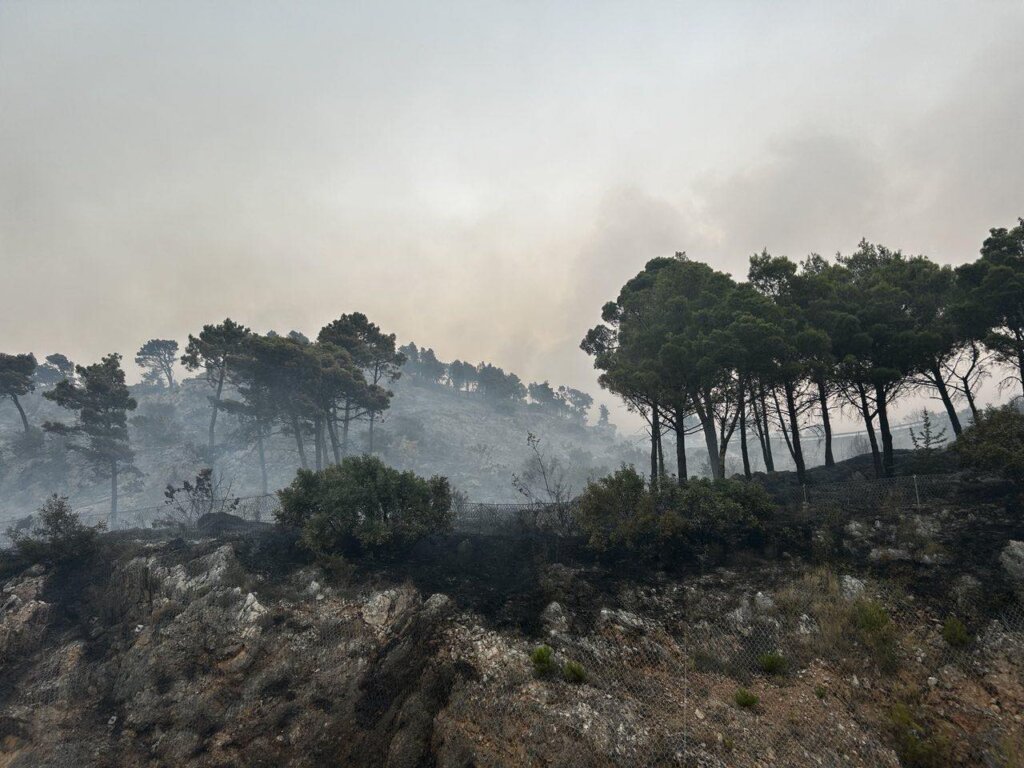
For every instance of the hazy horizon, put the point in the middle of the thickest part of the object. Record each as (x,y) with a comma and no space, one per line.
(476,177)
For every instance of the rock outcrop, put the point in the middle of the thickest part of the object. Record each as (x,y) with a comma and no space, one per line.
(179,654)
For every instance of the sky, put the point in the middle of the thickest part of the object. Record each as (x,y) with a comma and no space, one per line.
(477,177)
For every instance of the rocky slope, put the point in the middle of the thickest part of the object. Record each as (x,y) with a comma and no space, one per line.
(237,653)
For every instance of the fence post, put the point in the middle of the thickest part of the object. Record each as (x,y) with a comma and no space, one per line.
(917,493)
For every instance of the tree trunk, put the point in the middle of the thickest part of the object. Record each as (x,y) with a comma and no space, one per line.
(298,441)
(332,433)
(794,426)
(216,410)
(883,426)
(723,442)
(782,426)
(970,402)
(344,426)
(763,426)
(681,448)
(947,402)
(113,495)
(654,446)
(21,412)
(263,457)
(865,411)
(762,437)
(743,435)
(826,423)
(707,423)
(318,443)
(373,418)
(661,451)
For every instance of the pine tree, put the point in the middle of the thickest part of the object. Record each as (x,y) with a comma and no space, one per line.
(101,401)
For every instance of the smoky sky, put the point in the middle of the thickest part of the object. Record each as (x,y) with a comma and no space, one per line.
(478,177)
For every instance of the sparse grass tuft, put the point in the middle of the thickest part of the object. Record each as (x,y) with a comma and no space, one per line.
(573,672)
(543,659)
(745,699)
(772,663)
(955,633)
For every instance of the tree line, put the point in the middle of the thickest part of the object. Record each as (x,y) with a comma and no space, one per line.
(695,351)
(312,391)
(494,384)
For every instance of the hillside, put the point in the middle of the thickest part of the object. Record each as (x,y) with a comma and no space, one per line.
(240,651)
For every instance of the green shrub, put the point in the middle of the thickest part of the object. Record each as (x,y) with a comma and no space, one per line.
(870,616)
(995,443)
(745,699)
(955,633)
(543,660)
(915,747)
(620,512)
(58,535)
(772,663)
(573,672)
(362,504)
(820,691)
(876,631)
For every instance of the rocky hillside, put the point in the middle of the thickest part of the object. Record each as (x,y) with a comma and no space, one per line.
(241,652)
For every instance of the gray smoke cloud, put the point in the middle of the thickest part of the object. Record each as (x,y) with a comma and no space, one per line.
(478,177)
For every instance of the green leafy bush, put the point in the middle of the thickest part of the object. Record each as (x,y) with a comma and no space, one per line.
(745,699)
(57,537)
(995,443)
(772,663)
(543,660)
(955,633)
(364,505)
(573,672)
(620,512)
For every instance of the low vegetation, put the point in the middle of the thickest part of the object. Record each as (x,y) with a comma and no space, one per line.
(995,444)
(916,745)
(543,660)
(621,512)
(363,506)
(57,537)
(772,663)
(573,672)
(955,633)
(745,699)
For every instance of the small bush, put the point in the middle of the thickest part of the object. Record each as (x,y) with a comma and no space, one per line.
(915,747)
(745,699)
(619,512)
(995,443)
(820,691)
(543,660)
(870,616)
(772,663)
(364,505)
(955,633)
(58,536)
(573,672)
(875,630)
